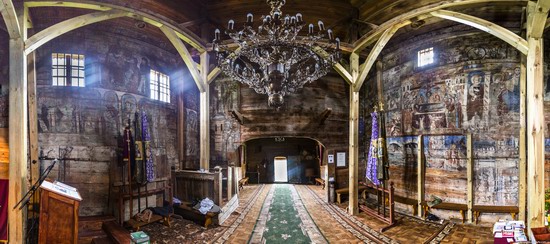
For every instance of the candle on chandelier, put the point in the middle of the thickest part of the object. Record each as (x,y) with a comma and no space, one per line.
(230,24)
(249,18)
(337,43)
(217,34)
(329,32)
(287,19)
(310,28)
(299,17)
(321,25)
(292,20)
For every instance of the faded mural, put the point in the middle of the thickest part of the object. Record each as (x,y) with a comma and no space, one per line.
(472,88)
(89,121)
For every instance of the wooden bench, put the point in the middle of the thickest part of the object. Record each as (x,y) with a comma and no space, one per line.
(242,182)
(447,206)
(188,212)
(407,201)
(319,181)
(478,209)
(339,192)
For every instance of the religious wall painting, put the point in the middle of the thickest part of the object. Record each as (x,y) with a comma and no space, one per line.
(474,97)
(428,117)
(129,107)
(394,123)
(402,150)
(111,115)
(392,99)
(496,181)
(192,133)
(447,152)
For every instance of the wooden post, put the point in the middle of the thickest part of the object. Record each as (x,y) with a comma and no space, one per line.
(420,175)
(229,182)
(535,137)
(33,118)
(17,138)
(181,129)
(522,141)
(354,139)
(537,14)
(205,115)
(470,175)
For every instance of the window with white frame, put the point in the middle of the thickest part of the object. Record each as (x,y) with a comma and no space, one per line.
(67,69)
(160,86)
(425,56)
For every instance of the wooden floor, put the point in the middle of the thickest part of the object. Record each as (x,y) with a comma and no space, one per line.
(333,222)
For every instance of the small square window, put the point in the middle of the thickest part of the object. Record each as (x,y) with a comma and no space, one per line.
(67,69)
(425,57)
(160,86)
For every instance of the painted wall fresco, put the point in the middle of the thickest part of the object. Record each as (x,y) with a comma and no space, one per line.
(402,156)
(4,78)
(473,87)
(225,129)
(90,120)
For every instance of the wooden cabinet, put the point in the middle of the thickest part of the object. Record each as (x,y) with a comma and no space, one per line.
(58,218)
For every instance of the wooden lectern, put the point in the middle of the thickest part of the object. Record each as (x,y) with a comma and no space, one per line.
(58,213)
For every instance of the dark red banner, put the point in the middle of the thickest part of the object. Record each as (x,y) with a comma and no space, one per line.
(4,210)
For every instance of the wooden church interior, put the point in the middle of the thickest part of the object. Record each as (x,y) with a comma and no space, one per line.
(452,94)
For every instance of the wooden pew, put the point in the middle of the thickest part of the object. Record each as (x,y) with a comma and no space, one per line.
(319,181)
(478,209)
(187,211)
(407,201)
(447,206)
(339,192)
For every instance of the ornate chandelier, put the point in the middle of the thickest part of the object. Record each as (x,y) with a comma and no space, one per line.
(274,59)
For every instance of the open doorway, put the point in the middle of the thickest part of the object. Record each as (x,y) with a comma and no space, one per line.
(280,168)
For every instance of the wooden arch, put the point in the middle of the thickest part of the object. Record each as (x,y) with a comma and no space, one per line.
(10,18)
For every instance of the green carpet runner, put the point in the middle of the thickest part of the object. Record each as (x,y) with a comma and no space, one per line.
(284,219)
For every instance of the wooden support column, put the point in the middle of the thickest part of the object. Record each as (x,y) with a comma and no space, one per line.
(470,175)
(17,138)
(537,14)
(229,182)
(33,118)
(535,137)
(205,115)
(354,138)
(181,129)
(522,141)
(421,172)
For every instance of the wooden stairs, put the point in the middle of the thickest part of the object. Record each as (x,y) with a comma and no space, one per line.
(101,230)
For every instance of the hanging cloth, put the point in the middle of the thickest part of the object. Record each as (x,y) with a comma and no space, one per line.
(138,172)
(148,154)
(382,161)
(372,160)
(4,210)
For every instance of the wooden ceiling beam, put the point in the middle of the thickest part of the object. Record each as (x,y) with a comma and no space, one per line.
(337,67)
(183,33)
(10,18)
(63,27)
(486,26)
(538,19)
(373,35)
(373,55)
(214,74)
(185,55)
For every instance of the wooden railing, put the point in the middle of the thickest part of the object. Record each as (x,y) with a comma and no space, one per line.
(380,212)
